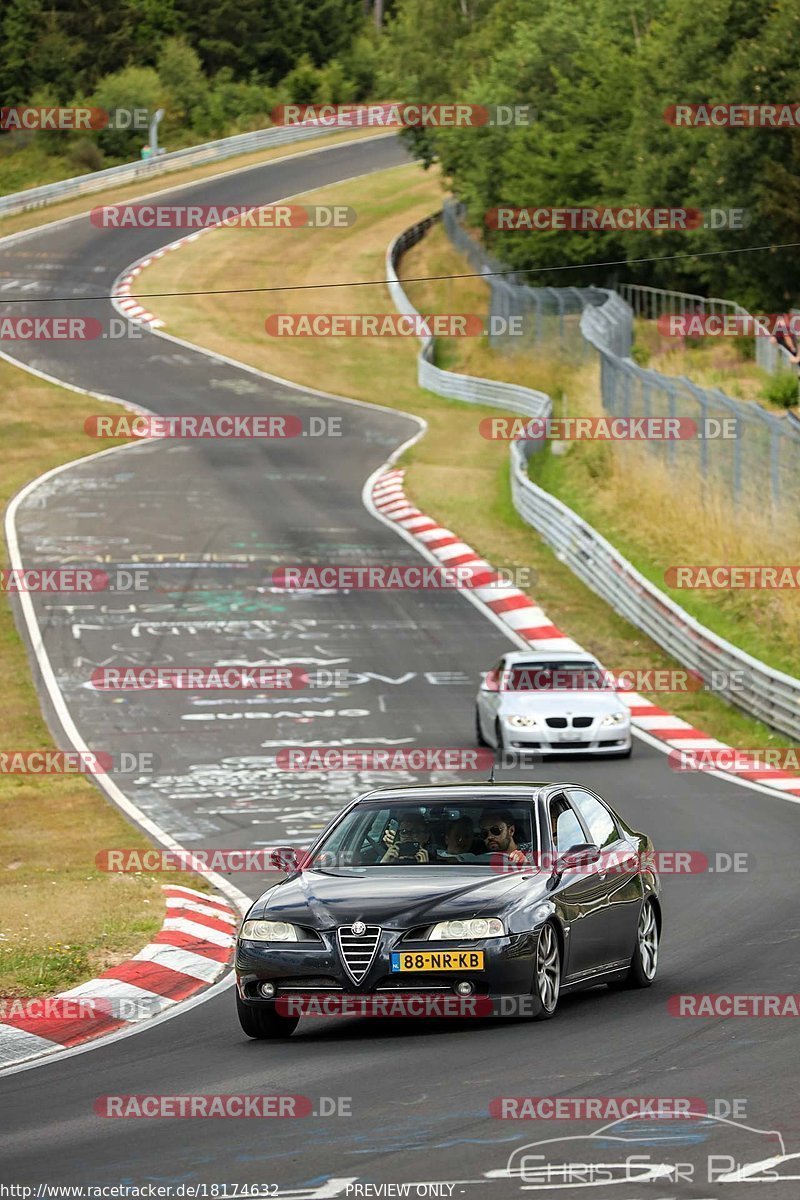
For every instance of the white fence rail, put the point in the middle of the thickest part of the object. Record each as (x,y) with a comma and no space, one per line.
(770,695)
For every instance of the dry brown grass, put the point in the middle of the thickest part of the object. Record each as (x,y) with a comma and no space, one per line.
(714,362)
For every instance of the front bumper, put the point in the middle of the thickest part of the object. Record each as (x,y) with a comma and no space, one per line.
(319,970)
(595,739)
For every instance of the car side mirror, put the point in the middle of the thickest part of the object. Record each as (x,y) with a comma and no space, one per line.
(490,682)
(583,854)
(285,858)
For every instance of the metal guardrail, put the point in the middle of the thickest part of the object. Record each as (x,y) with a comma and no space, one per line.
(760,462)
(763,692)
(508,396)
(191,156)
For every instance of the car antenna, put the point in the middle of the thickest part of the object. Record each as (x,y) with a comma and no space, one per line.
(491,773)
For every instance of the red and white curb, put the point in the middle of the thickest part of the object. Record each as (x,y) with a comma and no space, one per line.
(192,950)
(128,305)
(122,296)
(528,621)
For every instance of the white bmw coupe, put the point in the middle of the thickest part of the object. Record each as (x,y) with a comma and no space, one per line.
(541,702)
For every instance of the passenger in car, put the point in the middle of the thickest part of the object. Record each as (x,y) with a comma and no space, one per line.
(410,843)
(459,839)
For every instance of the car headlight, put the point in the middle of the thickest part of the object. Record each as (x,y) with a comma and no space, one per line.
(269,931)
(523,722)
(464,931)
(615,718)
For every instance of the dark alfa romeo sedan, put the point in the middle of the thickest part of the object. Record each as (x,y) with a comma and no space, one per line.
(490,891)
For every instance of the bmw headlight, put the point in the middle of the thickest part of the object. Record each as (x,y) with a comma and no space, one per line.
(523,722)
(615,718)
(465,931)
(269,931)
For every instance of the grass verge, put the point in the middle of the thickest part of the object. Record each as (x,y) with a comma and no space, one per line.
(719,362)
(453,473)
(62,920)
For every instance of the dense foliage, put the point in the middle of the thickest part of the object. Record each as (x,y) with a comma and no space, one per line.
(599,75)
(217,67)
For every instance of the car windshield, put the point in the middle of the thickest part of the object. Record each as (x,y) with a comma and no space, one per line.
(477,833)
(556,676)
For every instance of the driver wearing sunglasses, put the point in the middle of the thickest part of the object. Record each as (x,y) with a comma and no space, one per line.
(497,829)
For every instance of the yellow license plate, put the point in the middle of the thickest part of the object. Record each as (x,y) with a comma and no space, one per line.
(437,960)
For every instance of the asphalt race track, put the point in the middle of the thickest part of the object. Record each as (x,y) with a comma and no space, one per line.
(208,519)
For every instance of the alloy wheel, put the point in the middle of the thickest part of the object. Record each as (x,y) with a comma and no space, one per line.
(548,968)
(648,941)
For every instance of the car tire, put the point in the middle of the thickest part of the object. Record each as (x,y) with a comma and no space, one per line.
(499,742)
(263,1023)
(546,974)
(644,960)
(481,740)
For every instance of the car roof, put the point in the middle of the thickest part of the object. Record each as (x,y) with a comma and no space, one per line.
(517,656)
(518,789)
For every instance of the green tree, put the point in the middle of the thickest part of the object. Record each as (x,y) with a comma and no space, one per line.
(38,53)
(234,106)
(130,88)
(181,75)
(600,79)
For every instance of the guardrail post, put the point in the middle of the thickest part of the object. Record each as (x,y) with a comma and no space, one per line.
(699,397)
(672,402)
(775,465)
